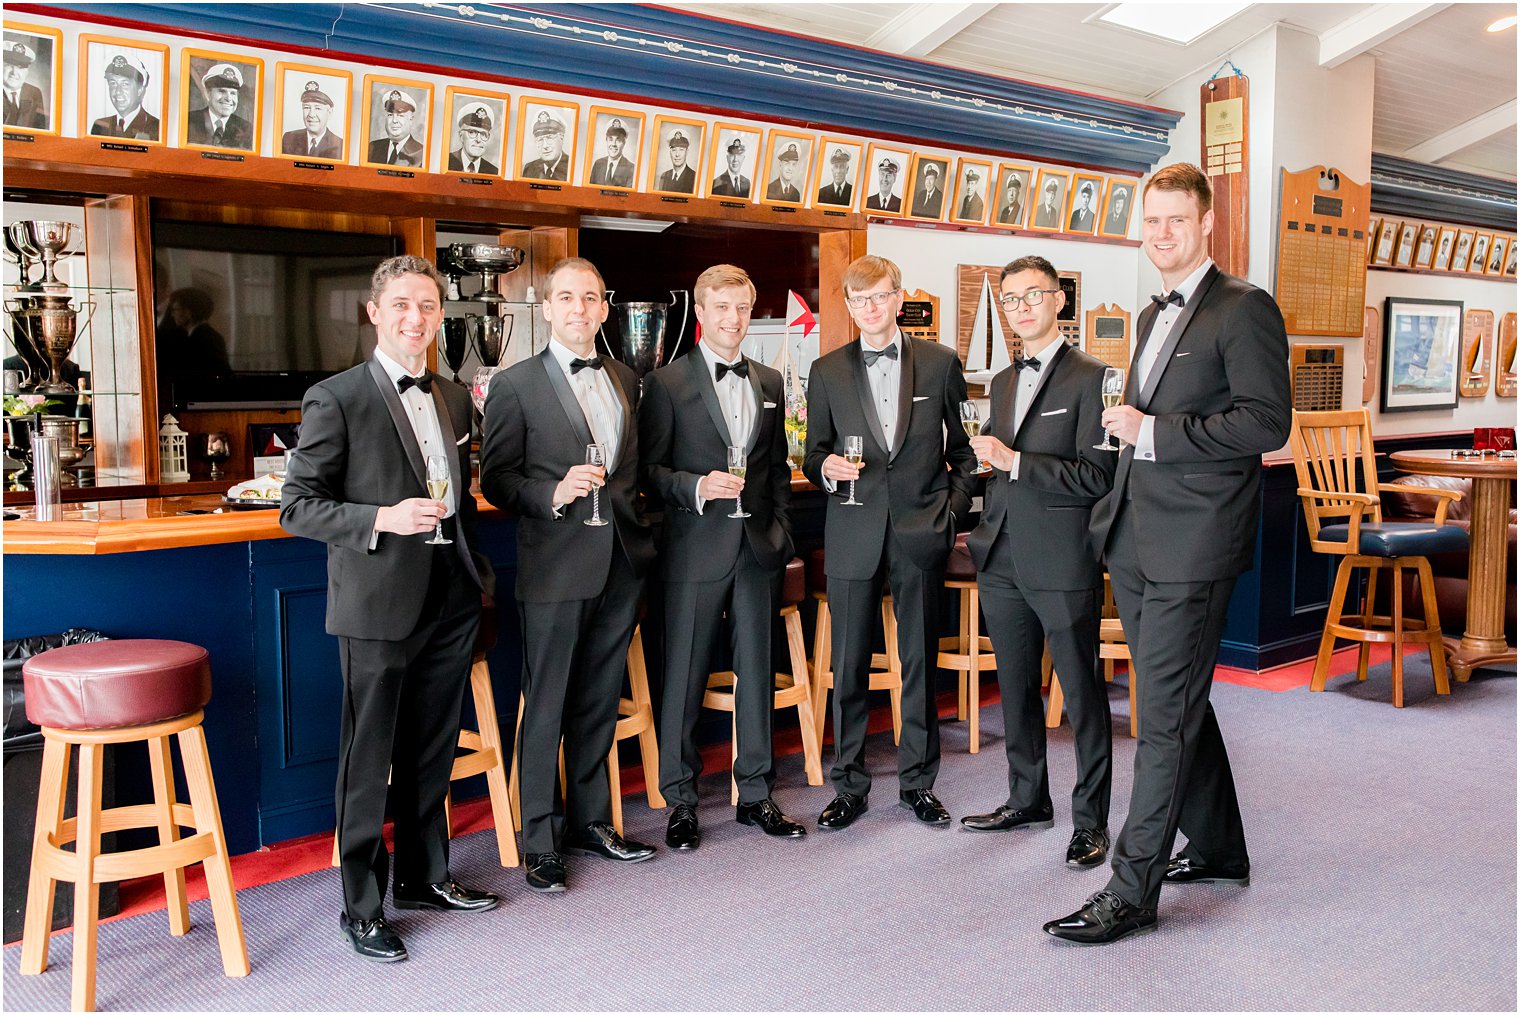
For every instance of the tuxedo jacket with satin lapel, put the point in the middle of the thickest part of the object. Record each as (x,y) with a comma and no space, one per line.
(534,432)
(1219,391)
(683,436)
(907,495)
(358,452)
(1045,511)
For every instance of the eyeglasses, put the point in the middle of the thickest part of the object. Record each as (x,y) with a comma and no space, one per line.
(1032,298)
(875,299)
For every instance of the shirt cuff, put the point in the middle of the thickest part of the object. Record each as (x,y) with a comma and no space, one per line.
(558,510)
(1013,473)
(701,501)
(374,539)
(1145,443)
(829,485)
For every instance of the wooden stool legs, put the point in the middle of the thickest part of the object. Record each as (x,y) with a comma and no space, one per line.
(886,667)
(968,653)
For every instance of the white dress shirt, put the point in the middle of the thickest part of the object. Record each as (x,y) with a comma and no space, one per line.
(598,401)
(885,376)
(1025,388)
(423,416)
(736,397)
(1161,330)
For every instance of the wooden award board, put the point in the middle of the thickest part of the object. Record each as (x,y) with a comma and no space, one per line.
(1504,379)
(1372,350)
(968,293)
(920,316)
(1108,335)
(1477,353)
(1225,125)
(1322,252)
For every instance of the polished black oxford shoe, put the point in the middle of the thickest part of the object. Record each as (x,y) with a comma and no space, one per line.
(1088,847)
(372,939)
(842,811)
(682,832)
(1005,818)
(770,820)
(1105,918)
(1182,871)
(600,839)
(445,896)
(545,872)
(924,805)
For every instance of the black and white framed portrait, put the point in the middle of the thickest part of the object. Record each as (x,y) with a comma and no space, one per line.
(1463,254)
(1480,253)
(614,139)
(475,131)
(733,161)
(1012,197)
(788,158)
(546,138)
(1050,201)
(1118,207)
(676,154)
(33,80)
(396,122)
(836,173)
(311,109)
(1086,195)
(886,175)
(219,94)
(930,176)
(124,88)
(973,177)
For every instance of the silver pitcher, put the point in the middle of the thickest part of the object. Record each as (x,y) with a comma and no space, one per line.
(641,331)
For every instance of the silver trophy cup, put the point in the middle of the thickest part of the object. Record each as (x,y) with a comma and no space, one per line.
(641,331)
(488,260)
(47,240)
(489,335)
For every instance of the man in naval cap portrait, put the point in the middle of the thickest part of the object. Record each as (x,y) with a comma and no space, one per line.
(929,196)
(219,124)
(548,142)
(781,188)
(25,105)
(971,207)
(680,178)
(614,169)
(1084,210)
(1047,214)
(732,182)
(312,139)
(474,126)
(839,191)
(884,199)
(399,146)
(126,77)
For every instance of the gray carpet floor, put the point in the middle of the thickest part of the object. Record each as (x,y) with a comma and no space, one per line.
(1384,861)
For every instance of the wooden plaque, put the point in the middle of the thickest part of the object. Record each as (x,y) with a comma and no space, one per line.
(1372,350)
(968,294)
(1322,252)
(1477,353)
(1226,145)
(920,316)
(1317,374)
(1108,335)
(1504,379)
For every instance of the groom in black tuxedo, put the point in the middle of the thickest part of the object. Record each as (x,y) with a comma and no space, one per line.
(1039,580)
(405,611)
(578,585)
(1208,396)
(693,412)
(901,396)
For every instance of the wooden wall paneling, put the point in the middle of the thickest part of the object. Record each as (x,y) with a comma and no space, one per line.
(121,339)
(836,249)
(1322,252)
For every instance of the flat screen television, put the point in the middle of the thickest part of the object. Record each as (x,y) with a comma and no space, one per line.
(249,317)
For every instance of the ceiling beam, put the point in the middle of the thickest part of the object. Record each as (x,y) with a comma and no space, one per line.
(1372,27)
(923,28)
(1464,135)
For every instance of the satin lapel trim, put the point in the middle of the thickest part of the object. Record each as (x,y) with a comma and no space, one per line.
(863,389)
(404,431)
(754,426)
(905,401)
(1006,406)
(1143,333)
(703,379)
(1039,387)
(1164,357)
(628,420)
(579,425)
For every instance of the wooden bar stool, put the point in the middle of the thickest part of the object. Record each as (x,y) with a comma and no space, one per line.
(123,692)
(1111,646)
(793,690)
(968,652)
(886,667)
(636,719)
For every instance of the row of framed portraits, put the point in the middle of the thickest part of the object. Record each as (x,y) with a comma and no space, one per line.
(1392,243)
(124,93)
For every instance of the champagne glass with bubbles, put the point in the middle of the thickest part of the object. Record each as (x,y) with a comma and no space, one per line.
(1113,394)
(854,453)
(438,488)
(971,422)
(596,455)
(737,467)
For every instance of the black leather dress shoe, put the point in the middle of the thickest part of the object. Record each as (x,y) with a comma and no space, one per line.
(1005,818)
(601,839)
(373,939)
(924,805)
(682,832)
(1182,871)
(770,820)
(1105,918)
(1088,847)
(842,811)
(545,872)
(446,896)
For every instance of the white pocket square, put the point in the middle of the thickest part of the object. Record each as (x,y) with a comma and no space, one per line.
(461,441)
(1053,412)
(920,398)
(1182,354)
(770,405)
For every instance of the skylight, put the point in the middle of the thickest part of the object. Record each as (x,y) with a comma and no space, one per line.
(1179,23)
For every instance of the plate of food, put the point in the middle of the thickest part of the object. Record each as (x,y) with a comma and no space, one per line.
(262,492)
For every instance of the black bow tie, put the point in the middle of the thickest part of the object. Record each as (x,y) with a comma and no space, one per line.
(423,384)
(1174,298)
(872,355)
(577,365)
(1027,363)
(739,369)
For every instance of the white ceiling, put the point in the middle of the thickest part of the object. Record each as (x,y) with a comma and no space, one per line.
(1444,88)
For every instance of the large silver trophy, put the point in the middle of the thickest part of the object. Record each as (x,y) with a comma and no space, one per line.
(641,331)
(489,261)
(50,324)
(45,240)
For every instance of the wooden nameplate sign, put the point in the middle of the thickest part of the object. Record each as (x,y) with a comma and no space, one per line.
(1224,123)
(1108,335)
(1504,379)
(1372,351)
(920,316)
(1477,353)
(1322,253)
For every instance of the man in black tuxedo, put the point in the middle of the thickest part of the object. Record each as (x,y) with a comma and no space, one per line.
(313,140)
(1039,580)
(899,395)
(405,610)
(578,584)
(839,191)
(693,412)
(1207,397)
(475,124)
(24,104)
(733,182)
(612,170)
(679,178)
(126,81)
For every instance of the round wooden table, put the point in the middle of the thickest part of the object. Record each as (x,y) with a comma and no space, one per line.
(1482,643)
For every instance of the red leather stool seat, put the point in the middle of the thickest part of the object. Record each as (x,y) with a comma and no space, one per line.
(959,567)
(105,684)
(816,580)
(485,635)
(794,582)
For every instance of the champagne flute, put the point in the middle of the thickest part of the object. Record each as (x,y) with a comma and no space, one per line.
(854,453)
(971,422)
(736,467)
(1113,394)
(438,488)
(596,455)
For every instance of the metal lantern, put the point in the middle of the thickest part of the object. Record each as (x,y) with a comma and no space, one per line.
(173,455)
